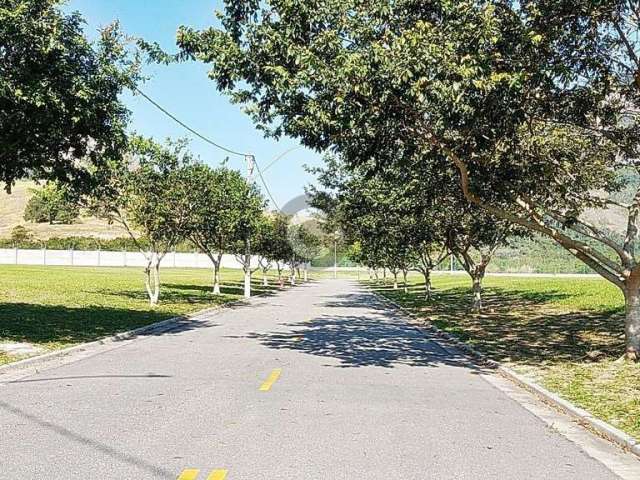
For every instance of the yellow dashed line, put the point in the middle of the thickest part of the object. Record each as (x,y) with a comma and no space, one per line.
(271,379)
(189,474)
(217,475)
(192,474)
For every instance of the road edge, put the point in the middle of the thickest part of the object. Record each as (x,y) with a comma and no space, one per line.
(584,418)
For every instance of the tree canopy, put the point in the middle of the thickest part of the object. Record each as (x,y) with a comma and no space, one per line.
(60,115)
(53,204)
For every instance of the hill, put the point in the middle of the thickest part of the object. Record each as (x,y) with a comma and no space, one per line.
(12,209)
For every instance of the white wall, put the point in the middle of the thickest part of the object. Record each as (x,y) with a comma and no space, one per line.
(98,258)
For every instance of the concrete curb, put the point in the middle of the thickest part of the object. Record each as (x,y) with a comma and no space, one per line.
(162,326)
(593,424)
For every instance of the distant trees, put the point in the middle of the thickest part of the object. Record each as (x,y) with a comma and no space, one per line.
(305,246)
(163,196)
(51,204)
(406,220)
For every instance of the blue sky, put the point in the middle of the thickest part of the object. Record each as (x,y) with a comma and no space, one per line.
(186,91)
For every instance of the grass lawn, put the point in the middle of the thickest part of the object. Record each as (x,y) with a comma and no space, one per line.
(55,307)
(544,328)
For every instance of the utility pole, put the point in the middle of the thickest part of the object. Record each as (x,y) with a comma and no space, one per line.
(335,254)
(247,253)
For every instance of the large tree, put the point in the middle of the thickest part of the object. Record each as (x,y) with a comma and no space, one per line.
(534,102)
(60,115)
(218,201)
(149,198)
(247,229)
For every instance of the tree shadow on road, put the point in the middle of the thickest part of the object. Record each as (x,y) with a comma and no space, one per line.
(362,340)
(353,300)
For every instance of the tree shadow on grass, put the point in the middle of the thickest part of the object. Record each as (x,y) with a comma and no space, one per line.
(227,288)
(56,324)
(518,325)
(196,294)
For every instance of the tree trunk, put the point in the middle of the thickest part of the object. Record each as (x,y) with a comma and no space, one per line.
(632,323)
(404,281)
(247,268)
(395,280)
(147,282)
(384,275)
(156,283)
(476,278)
(306,274)
(293,275)
(247,283)
(152,279)
(265,282)
(427,284)
(279,271)
(216,278)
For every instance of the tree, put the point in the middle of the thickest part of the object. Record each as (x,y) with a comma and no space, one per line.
(20,234)
(473,239)
(271,244)
(305,245)
(247,225)
(149,198)
(60,116)
(534,102)
(51,204)
(280,248)
(217,200)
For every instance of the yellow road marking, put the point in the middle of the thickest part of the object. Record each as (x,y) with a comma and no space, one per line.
(217,475)
(271,379)
(189,474)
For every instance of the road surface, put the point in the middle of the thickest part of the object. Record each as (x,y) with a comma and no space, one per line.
(318,382)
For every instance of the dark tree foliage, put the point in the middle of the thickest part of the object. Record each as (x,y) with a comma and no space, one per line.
(60,116)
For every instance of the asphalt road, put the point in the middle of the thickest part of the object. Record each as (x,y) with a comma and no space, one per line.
(319,382)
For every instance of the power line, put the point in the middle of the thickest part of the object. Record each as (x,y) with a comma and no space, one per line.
(280,156)
(217,145)
(265,186)
(184,125)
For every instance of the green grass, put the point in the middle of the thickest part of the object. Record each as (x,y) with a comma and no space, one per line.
(550,329)
(55,307)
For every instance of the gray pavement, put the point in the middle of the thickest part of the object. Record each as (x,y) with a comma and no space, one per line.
(360,395)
